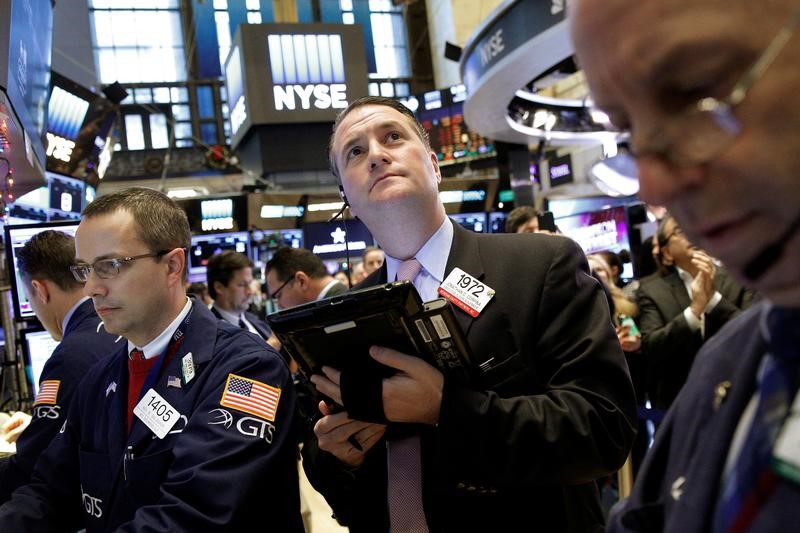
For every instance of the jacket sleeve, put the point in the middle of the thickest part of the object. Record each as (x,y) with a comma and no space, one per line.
(567,413)
(50,501)
(46,421)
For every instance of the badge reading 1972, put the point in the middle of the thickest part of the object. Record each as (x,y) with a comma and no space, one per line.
(466,292)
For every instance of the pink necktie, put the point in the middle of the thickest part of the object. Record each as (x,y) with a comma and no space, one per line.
(406,512)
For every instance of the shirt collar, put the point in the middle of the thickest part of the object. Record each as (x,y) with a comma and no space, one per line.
(159,344)
(432,256)
(324,292)
(233,318)
(70,313)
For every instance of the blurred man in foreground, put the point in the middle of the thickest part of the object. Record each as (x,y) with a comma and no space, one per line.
(709,91)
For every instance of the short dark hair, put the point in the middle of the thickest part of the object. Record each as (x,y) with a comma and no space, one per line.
(161,223)
(374,100)
(222,266)
(286,262)
(48,255)
(519,216)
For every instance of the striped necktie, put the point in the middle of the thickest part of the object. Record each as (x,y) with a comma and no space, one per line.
(752,479)
(404,461)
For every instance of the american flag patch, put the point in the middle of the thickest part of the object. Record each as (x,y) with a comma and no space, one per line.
(48,392)
(251,396)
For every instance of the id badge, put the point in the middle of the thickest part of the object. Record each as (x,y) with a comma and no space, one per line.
(466,292)
(156,413)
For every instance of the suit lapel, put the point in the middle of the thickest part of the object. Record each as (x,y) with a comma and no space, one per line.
(464,254)
(117,402)
(678,291)
(704,473)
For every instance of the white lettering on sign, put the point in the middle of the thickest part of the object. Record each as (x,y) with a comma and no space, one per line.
(59,147)
(321,96)
(559,171)
(492,47)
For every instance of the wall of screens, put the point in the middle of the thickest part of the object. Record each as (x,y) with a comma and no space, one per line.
(441,113)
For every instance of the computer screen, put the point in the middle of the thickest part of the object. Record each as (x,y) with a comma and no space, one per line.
(15,238)
(472,221)
(206,245)
(597,231)
(37,347)
(327,239)
(497,222)
(266,241)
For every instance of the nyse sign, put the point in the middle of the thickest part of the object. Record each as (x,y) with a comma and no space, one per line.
(321,96)
(307,71)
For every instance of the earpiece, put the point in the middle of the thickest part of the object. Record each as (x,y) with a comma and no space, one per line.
(344,197)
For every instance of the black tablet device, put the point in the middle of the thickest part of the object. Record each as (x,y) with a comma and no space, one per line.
(339,331)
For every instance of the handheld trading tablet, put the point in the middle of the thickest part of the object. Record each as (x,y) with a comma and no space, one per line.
(339,331)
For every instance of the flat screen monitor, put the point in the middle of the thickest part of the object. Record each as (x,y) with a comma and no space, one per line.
(206,245)
(472,221)
(37,347)
(497,222)
(597,231)
(15,238)
(327,239)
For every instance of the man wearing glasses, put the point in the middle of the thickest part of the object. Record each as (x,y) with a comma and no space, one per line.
(229,276)
(709,92)
(296,276)
(187,427)
(680,308)
(59,303)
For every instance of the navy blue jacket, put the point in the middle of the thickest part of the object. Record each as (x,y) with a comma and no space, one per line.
(678,487)
(219,468)
(83,343)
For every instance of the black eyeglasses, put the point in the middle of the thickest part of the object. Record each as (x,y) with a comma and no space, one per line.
(276,294)
(107,268)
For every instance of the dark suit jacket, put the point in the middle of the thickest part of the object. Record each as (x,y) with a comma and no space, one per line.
(336,290)
(553,411)
(669,345)
(678,486)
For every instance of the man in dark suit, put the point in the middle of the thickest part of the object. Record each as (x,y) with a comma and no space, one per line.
(229,276)
(296,276)
(552,406)
(715,130)
(680,309)
(58,301)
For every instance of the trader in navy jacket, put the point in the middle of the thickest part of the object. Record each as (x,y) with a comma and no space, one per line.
(187,428)
(58,301)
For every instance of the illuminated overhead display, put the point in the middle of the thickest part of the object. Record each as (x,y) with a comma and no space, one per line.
(293,73)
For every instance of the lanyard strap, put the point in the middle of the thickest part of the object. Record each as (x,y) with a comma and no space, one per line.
(174,344)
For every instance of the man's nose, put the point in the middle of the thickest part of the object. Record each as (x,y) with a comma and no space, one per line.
(661,181)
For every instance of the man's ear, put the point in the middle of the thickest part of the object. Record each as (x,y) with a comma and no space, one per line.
(176,261)
(666,256)
(40,290)
(302,279)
